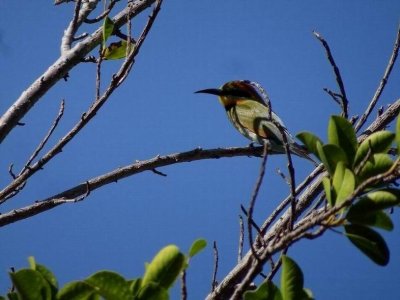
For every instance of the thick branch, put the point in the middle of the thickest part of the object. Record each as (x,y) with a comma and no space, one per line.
(114,176)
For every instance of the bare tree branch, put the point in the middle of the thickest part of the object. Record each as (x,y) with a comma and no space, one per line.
(59,69)
(344,103)
(382,84)
(117,80)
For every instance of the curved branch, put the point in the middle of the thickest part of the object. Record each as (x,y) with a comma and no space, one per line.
(120,173)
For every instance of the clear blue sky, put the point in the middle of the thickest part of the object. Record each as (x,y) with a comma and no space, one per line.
(193,45)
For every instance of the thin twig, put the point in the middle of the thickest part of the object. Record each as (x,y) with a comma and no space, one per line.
(241,238)
(102,15)
(183,286)
(216,258)
(344,101)
(254,198)
(46,138)
(382,84)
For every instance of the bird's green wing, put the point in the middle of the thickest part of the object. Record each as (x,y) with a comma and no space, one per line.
(254,117)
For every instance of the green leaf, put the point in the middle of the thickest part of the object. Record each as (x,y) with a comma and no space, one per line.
(398,134)
(265,291)
(328,191)
(134,285)
(378,164)
(291,279)
(31,285)
(110,285)
(78,290)
(346,188)
(13,296)
(49,277)
(165,267)
(197,246)
(330,155)
(377,219)
(378,142)
(341,133)
(377,200)
(116,50)
(310,141)
(153,291)
(369,242)
(108,28)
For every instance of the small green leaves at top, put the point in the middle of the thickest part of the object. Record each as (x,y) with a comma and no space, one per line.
(116,50)
(110,285)
(108,28)
(310,141)
(197,246)
(369,242)
(341,133)
(165,267)
(378,142)
(292,280)
(265,291)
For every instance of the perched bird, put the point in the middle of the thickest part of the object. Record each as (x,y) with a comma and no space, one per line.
(248,108)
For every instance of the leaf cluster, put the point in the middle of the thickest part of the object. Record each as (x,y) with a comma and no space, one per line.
(39,283)
(353,182)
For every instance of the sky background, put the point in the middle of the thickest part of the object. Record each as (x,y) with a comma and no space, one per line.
(193,45)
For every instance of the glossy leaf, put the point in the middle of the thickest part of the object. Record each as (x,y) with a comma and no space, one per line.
(377,219)
(369,242)
(398,134)
(291,279)
(330,155)
(31,285)
(265,291)
(12,296)
(378,142)
(116,50)
(310,141)
(165,267)
(153,291)
(197,246)
(345,184)
(110,285)
(328,191)
(380,163)
(77,290)
(108,28)
(341,133)
(134,285)
(377,200)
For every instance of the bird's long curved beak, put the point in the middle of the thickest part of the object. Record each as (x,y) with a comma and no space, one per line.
(217,92)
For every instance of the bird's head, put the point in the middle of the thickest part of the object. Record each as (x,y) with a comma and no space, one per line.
(235,91)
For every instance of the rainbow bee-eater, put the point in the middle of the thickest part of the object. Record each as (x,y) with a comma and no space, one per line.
(248,107)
